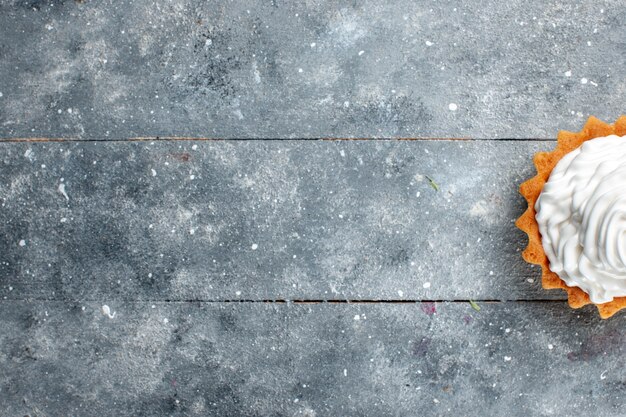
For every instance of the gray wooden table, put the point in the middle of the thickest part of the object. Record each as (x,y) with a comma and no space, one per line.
(177,239)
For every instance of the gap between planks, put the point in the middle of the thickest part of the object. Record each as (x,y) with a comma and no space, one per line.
(182,139)
(286,301)
(283,301)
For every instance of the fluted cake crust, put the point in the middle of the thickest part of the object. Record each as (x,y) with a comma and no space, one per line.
(545,162)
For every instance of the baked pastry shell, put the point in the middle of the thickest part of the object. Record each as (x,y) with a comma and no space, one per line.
(530,190)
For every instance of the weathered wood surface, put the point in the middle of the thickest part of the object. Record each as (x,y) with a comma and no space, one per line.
(268,359)
(296,69)
(186,243)
(220,220)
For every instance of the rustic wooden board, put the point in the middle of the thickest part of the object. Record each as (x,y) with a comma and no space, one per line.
(198,220)
(249,359)
(116,69)
(293,277)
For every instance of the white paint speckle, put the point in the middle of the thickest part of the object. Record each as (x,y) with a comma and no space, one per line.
(507,359)
(106,310)
(583,81)
(165,321)
(550,346)
(429,43)
(194,147)
(490,272)
(0,93)
(357,317)
(479,209)
(400,293)
(62,191)
(361,53)
(342,153)
(426,285)
(603,375)
(256,73)
(22,242)
(237,293)
(153,172)
(254,246)
(192,177)
(192,231)
(568,73)
(345,372)
(453,107)
(300,70)
(312,44)
(418,194)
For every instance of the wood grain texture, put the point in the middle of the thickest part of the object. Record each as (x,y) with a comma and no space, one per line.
(263,359)
(253,220)
(117,69)
(189,243)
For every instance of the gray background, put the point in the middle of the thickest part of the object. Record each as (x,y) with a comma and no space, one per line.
(274,275)
(308,69)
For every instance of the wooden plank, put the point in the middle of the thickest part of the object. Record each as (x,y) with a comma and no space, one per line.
(265,220)
(60,358)
(308,69)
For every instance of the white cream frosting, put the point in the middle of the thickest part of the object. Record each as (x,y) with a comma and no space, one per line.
(581,214)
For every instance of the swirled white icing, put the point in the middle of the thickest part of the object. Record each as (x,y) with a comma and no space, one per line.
(581,213)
